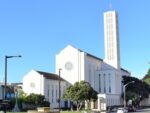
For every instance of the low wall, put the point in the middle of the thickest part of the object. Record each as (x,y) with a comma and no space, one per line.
(35,111)
(43,110)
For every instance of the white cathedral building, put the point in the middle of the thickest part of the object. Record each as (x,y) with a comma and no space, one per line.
(105,76)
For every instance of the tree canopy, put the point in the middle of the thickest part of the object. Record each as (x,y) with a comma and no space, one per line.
(147,77)
(80,92)
(36,99)
(137,91)
(148,72)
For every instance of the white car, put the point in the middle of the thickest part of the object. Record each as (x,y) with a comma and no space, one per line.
(122,110)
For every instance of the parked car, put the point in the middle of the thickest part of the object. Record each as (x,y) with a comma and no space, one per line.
(131,109)
(122,110)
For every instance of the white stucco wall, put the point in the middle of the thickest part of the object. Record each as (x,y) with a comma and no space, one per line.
(51,92)
(113,99)
(103,77)
(33,82)
(108,83)
(88,67)
(91,67)
(47,87)
(105,100)
(84,66)
(118,82)
(75,57)
(110,79)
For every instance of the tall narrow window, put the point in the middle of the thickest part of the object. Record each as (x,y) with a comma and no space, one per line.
(90,73)
(64,88)
(61,90)
(48,92)
(104,83)
(109,82)
(56,94)
(52,93)
(99,82)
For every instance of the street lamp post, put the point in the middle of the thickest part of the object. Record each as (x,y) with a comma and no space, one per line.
(5,85)
(59,89)
(124,89)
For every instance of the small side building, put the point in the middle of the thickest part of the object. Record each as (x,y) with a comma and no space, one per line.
(46,84)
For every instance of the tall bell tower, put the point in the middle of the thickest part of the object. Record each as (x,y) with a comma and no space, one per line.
(111,39)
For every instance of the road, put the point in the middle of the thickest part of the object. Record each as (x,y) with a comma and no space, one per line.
(139,111)
(142,111)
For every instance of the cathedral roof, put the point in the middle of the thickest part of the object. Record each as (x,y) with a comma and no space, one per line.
(88,54)
(125,70)
(50,75)
(93,56)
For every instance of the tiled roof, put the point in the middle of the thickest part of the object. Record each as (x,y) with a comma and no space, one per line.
(88,54)
(50,75)
(94,57)
(125,70)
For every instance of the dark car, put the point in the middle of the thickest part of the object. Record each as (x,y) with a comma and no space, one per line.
(4,105)
(131,109)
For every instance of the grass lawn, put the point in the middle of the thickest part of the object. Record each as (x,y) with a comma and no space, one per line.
(61,112)
(70,112)
(16,112)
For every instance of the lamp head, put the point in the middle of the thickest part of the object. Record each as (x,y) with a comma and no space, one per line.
(133,81)
(12,56)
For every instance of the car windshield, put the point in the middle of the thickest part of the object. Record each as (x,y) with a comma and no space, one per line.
(120,108)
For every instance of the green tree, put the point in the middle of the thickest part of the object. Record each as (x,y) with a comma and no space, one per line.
(79,93)
(37,100)
(148,72)
(147,77)
(21,98)
(137,91)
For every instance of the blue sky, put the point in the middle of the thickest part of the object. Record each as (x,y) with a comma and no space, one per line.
(39,29)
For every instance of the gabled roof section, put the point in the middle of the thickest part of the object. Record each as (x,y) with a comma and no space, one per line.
(125,70)
(67,47)
(94,57)
(88,54)
(50,75)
